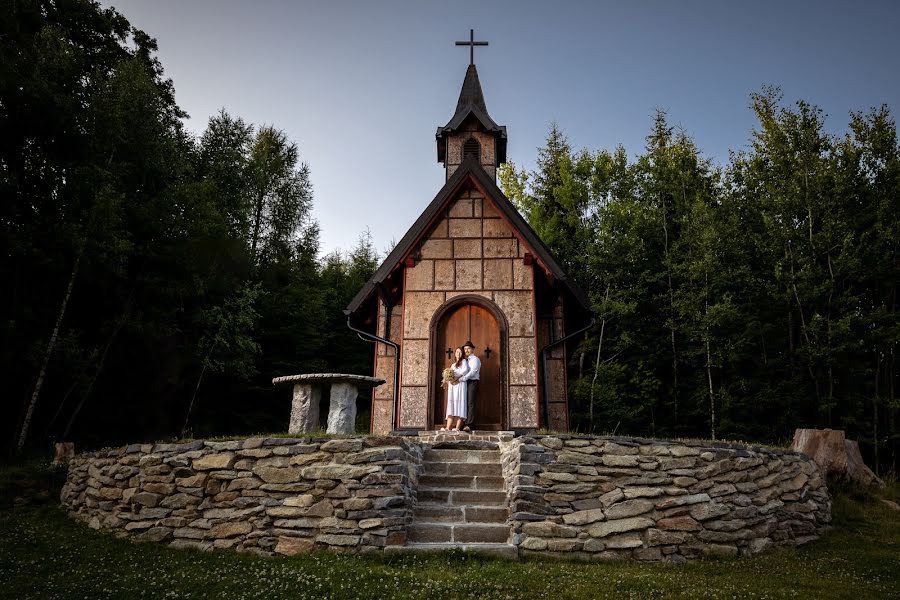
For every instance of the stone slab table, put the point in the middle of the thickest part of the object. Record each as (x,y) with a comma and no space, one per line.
(342,403)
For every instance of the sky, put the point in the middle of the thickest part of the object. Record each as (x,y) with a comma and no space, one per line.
(361,87)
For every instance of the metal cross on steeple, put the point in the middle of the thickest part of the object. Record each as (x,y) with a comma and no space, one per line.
(471,44)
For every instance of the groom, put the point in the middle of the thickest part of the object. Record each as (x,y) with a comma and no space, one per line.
(471,377)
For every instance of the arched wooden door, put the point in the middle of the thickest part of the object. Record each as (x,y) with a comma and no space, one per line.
(475,323)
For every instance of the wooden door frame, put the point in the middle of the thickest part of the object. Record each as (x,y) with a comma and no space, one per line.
(433,351)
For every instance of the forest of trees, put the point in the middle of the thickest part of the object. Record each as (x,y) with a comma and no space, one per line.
(155,282)
(738,301)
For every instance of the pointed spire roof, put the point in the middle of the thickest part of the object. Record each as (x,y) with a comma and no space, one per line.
(471,103)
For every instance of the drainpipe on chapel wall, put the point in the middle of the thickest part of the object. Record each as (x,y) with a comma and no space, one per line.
(396,347)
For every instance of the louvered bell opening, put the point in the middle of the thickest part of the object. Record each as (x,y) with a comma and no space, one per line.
(473,148)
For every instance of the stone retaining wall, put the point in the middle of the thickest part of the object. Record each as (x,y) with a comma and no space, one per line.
(575,496)
(256,495)
(614,498)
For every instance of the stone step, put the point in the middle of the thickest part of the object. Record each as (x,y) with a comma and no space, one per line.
(461,497)
(441,513)
(507,551)
(461,455)
(462,468)
(475,482)
(471,533)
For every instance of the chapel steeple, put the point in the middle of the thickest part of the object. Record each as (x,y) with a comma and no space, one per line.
(471,130)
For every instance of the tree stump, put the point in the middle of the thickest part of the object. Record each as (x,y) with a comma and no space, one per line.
(65,451)
(836,456)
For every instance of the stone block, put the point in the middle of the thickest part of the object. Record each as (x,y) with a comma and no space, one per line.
(437,248)
(683,523)
(418,309)
(421,276)
(703,512)
(468,275)
(467,248)
(522,367)
(523,406)
(381,416)
(613,460)
(477,205)
(444,274)
(498,273)
(534,543)
(607,528)
(413,406)
(523,275)
(564,545)
(338,471)
(501,248)
(489,210)
(517,307)
(305,459)
(222,460)
(465,228)
(440,229)
(584,517)
(629,508)
(683,501)
(497,228)
(227,530)
(111,493)
(657,537)
(148,499)
(462,208)
(155,534)
(323,508)
(547,529)
(415,362)
(278,474)
(342,445)
(643,492)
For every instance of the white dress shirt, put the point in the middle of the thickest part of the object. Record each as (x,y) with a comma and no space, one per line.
(474,373)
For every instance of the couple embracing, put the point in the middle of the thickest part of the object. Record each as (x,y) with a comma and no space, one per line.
(461,380)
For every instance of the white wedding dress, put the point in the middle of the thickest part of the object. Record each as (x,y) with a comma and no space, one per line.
(456,394)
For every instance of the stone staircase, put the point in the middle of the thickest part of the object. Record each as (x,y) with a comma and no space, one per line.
(461,501)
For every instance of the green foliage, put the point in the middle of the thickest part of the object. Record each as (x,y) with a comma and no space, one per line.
(741,301)
(194,263)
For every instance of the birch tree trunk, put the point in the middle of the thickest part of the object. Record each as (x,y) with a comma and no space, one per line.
(29,412)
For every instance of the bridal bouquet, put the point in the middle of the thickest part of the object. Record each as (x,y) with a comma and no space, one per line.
(446,376)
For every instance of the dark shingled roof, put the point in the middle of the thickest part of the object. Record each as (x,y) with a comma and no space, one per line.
(468,170)
(471,103)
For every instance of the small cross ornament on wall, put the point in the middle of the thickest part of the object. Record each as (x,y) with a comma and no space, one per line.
(471,44)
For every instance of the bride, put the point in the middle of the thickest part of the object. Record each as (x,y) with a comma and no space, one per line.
(456,394)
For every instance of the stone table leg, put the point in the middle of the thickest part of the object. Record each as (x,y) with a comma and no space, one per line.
(305,408)
(342,412)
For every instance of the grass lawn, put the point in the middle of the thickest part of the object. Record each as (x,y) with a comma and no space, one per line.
(45,555)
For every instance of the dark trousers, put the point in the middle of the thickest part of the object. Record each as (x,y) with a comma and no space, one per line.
(471,400)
